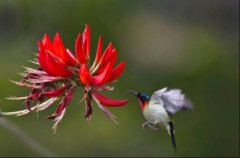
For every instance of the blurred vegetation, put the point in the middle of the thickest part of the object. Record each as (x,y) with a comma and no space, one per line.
(187,44)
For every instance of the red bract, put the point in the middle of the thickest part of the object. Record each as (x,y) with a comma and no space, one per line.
(60,73)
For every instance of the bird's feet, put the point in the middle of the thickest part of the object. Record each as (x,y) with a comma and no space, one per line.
(145,125)
(150,125)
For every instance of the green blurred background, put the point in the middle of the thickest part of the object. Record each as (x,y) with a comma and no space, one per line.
(187,44)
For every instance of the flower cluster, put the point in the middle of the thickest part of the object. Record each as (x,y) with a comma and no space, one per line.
(60,72)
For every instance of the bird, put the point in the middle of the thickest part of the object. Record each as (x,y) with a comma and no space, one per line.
(159,108)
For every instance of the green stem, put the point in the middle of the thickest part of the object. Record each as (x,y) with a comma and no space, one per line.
(24,137)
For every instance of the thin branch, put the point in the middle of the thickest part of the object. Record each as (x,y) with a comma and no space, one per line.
(25,138)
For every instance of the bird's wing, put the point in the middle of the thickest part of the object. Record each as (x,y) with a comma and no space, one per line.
(173,100)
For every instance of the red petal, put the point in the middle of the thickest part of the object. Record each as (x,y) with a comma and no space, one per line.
(112,57)
(106,54)
(103,77)
(42,59)
(71,60)
(99,51)
(55,92)
(84,47)
(57,69)
(112,60)
(62,52)
(105,58)
(56,58)
(62,105)
(41,56)
(48,44)
(81,56)
(84,75)
(86,36)
(117,71)
(59,47)
(105,101)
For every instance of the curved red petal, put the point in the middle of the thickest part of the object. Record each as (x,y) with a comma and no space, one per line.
(117,71)
(84,47)
(109,102)
(41,55)
(104,59)
(64,54)
(42,59)
(81,56)
(71,60)
(86,36)
(99,52)
(48,44)
(112,59)
(55,92)
(57,68)
(106,54)
(84,75)
(103,77)
(59,47)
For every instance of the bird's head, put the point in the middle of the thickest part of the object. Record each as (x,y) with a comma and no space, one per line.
(143,98)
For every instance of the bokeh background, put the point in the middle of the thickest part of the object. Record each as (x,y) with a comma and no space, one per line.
(187,44)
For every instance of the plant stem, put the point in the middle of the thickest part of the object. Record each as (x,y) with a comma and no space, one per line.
(25,138)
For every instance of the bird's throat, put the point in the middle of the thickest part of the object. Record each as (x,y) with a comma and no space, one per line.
(143,105)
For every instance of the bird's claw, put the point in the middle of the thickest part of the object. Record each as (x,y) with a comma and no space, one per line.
(150,125)
(144,125)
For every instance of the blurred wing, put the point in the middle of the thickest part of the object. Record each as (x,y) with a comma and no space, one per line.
(173,100)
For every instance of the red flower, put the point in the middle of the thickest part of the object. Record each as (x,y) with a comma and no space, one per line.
(102,71)
(60,73)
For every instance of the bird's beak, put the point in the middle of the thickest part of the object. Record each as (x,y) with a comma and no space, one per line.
(133,92)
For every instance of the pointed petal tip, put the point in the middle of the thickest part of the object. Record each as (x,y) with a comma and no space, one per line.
(79,35)
(57,37)
(57,34)
(109,102)
(110,45)
(45,36)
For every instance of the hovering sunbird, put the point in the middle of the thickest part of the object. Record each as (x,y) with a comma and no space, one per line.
(159,107)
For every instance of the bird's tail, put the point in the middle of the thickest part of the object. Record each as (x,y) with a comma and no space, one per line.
(170,129)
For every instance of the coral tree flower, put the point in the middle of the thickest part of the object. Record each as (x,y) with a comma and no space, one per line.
(60,73)
(96,76)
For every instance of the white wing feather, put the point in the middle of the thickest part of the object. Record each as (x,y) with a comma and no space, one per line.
(173,100)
